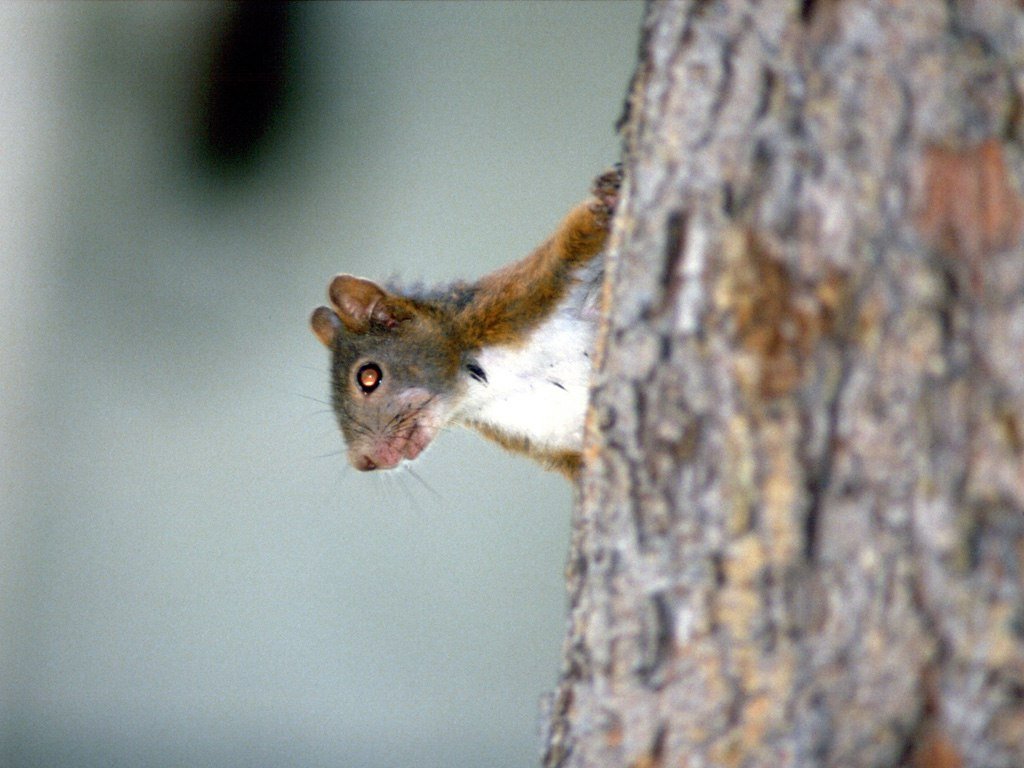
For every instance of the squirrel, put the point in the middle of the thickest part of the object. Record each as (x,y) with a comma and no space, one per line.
(509,355)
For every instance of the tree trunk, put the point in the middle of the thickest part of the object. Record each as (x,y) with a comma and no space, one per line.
(799,539)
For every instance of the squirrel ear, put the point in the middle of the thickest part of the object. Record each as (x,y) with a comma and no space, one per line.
(359,302)
(325,325)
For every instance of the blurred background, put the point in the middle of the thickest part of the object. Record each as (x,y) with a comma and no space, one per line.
(190,575)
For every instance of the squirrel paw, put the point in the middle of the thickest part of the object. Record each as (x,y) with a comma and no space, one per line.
(606,193)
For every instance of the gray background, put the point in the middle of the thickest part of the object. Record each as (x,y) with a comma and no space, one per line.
(189,573)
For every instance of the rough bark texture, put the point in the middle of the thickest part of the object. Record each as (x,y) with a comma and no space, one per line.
(800,533)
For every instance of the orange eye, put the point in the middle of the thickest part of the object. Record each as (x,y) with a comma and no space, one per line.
(369,377)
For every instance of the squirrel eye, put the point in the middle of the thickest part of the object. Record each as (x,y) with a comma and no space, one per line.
(368,377)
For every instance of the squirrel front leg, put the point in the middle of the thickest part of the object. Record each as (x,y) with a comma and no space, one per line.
(508,303)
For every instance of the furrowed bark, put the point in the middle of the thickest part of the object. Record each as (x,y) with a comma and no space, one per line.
(799,539)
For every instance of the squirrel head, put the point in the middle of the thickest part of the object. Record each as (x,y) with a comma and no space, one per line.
(394,371)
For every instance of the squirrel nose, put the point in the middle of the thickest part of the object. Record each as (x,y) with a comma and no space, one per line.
(364,463)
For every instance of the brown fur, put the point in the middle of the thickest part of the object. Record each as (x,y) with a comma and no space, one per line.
(514,299)
(566,462)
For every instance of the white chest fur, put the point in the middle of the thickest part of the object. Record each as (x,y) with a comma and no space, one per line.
(539,390)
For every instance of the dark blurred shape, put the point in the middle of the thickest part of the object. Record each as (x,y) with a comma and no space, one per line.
(248,86)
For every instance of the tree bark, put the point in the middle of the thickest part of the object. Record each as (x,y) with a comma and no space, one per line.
(799,536)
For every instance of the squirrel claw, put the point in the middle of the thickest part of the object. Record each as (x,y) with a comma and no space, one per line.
(606,190)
